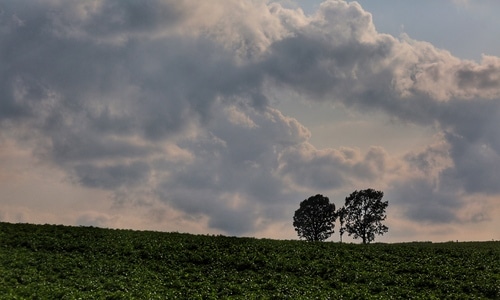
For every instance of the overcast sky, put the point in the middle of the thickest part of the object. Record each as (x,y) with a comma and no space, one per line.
(219,117)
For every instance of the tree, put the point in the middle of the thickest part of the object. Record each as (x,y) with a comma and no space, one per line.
(315,218)
(364,213)
(341,214)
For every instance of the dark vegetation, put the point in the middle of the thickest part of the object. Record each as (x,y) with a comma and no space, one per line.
(61,262)
(315,218)
(361,216)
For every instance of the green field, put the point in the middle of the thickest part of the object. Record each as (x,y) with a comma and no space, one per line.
(61,262)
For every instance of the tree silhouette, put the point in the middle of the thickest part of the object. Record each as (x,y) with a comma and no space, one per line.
(315,219)
(364,213)
(341,215)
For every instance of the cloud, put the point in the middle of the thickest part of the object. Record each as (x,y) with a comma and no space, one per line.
(330,168)
(234,170)
(168,101)
(423,201)
(430,161)
(409,80)
(110,177)
(476,167)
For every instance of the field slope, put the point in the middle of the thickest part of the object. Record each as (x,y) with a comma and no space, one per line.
(61,262)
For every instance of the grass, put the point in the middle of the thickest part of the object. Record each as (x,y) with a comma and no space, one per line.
(62,262)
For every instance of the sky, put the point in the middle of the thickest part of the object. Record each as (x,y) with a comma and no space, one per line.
(220,117)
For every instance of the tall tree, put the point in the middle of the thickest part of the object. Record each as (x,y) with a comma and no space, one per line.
(341,215)
(364,213)
(315,218)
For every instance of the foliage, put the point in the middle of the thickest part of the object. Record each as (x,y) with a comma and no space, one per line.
(315,218)
(363,214)
(341,215)
(59,262)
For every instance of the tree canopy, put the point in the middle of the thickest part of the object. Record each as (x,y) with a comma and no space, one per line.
(363,214)
(315,218)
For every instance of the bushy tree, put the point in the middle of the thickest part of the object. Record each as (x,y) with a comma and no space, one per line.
(315,218)
(364,213)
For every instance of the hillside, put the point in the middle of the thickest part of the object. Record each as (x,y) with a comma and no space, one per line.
(62,262)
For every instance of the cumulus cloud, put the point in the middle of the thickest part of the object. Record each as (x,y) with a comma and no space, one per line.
(330,168)
(234,168)
(170,100)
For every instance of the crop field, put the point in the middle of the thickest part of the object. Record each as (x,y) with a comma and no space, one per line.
(61,262)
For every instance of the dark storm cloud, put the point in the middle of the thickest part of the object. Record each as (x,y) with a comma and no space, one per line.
(470,130)
(99,84)
(477,165)
(234,169)
(157,85)
(113,176)
(422,201)
(171,95)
